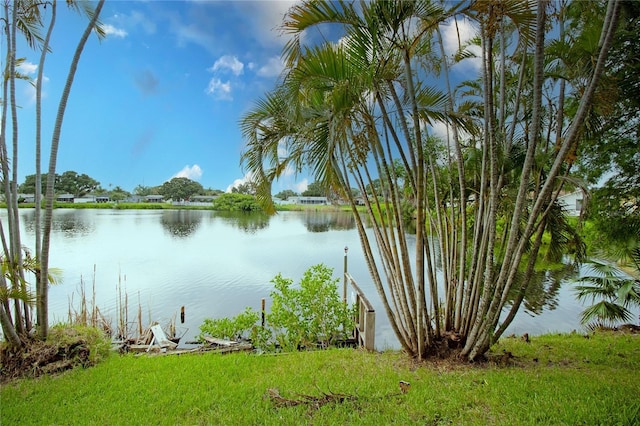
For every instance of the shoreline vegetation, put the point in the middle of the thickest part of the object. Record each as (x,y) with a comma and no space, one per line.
(169,206)
(550,379)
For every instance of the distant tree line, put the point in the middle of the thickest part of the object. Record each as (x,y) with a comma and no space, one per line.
(178,188)
(80,185)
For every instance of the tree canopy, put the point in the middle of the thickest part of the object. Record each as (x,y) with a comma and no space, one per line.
(235,202)
(69,182)
(180,188)
(284,195)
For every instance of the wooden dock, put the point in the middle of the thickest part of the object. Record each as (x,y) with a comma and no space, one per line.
(365,331)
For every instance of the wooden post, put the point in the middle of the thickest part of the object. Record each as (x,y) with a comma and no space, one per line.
(344,283)
(366,321)
(262,315)
(182,315)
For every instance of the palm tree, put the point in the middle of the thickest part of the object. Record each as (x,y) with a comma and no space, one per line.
(43,281)
(26,17)
(618,293)
(354,110)
(22,16)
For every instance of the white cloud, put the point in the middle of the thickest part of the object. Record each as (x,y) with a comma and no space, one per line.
(272,68)
(282,149)
(228,62)
(133,22)
(190,172)
(439,129)
(219,90)
(459,33)
(266,17)
(110,30)
(192,34)
(30,69)
(27,68)
(300,187)
(244,179)
(288,171)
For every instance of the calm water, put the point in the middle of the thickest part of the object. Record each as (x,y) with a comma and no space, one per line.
(216,264)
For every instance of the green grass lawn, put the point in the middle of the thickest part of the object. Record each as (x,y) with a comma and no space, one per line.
(559,379)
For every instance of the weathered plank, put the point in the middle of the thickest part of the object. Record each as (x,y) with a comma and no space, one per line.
(219,342)
(161,339)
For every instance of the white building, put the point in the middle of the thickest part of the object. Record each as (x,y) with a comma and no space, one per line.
(309,201)
(572,202)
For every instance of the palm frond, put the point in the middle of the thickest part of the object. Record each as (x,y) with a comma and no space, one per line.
(605,312)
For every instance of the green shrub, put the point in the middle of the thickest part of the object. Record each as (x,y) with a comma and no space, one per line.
(236,328)
(304,317)
(236,203)
(311,314)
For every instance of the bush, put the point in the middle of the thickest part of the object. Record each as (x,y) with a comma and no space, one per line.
(236,328)
(305,317)
(236,202)
(312,314)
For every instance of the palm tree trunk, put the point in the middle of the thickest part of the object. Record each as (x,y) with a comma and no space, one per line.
(462,204)
(43,289)
(38,165)
(8,329)
(13,252)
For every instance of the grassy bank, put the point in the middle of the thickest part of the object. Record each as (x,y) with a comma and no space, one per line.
(560,379)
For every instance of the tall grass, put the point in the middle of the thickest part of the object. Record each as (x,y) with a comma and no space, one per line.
(563,379)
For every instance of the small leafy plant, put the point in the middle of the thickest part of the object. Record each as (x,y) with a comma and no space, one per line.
(236,328)
(312,314)
(308,316)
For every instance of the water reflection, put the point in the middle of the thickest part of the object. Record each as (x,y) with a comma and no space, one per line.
(544,286)
(181,223)
(325,221)
(69,222)
(246,222)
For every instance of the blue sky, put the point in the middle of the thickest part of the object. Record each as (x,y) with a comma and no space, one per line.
(161,95)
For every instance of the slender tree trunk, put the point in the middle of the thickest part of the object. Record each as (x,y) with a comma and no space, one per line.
(462,202)
(13,253)
(8,329)
(38,192)
(43,288)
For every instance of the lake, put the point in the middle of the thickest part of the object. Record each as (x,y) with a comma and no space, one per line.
(215,264)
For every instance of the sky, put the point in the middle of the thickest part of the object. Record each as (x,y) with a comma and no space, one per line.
(162,94)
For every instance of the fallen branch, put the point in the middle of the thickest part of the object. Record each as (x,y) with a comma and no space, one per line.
(313,402)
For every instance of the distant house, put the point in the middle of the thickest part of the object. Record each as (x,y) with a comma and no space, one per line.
(573,202)
(202,199)
(66,198)
(85,199)
(134,199)
(26,198)
(154,198)
(309,201)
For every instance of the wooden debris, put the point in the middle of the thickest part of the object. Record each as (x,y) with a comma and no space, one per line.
(404,386)
(313,402)
(160,338)
(219,342)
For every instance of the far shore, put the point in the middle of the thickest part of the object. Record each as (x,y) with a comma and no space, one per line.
(171,206)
